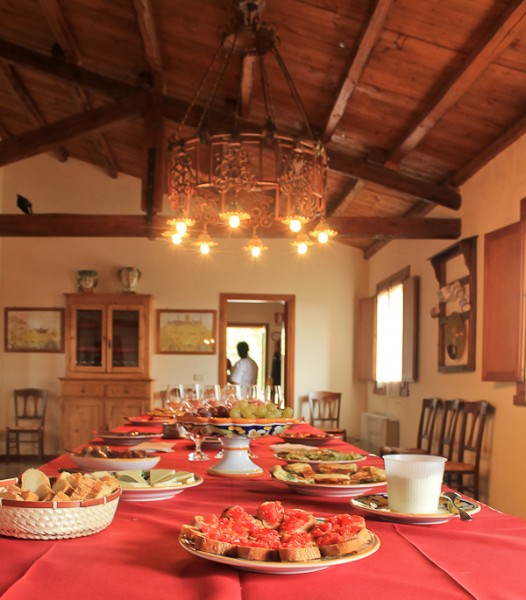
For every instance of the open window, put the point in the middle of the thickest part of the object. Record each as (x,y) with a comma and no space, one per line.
(387,334)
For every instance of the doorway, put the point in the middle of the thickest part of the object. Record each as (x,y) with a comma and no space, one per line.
(233,309)
(256,336)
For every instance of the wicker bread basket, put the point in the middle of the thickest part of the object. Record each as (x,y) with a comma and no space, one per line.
(56,520)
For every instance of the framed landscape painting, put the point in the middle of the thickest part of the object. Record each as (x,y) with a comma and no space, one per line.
(186,331)
(34,330)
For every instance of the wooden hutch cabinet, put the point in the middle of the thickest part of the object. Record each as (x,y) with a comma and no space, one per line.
(107,363)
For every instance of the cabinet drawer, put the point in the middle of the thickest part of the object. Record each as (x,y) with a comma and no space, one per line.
(128,390)
(83,388)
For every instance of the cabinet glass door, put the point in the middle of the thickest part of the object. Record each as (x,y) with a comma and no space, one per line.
(125,338)
(89,328)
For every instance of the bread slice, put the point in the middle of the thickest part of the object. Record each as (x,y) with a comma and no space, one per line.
(271,514)
(36,482)
(296,520)
(302,470)
(332,478)
(257,553)
(206,544)
(335,468)
(349,546)
(303,554)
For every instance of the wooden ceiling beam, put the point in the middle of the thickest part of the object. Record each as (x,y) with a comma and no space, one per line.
(515,132)
(505,31)
(122,226)
(396,227)
(247,82)
(28,103)
(40,140)
(152,180)
(360,169)
(366,44)
(61,30)
(144,12)
(57,68)
(420,209)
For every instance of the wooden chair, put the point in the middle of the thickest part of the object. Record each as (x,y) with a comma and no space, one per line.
(447,436)
(324,409)
(426,430)
(30,416)
(473,422)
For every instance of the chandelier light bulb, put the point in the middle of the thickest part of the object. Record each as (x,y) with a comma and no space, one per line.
(256,251)
(295,225)
(204,248)
(323,237)
(302,248)
(177,238)
(234,221)
(181,228)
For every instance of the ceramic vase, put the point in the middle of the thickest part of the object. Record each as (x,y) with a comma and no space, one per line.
(87,281)
(129,277)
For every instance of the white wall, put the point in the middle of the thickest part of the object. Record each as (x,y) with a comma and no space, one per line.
(491,200)
(36,272)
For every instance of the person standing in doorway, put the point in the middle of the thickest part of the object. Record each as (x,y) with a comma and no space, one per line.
(245,371)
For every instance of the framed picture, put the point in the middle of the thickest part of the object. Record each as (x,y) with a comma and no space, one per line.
(34,330)
(456,273)
(186,331)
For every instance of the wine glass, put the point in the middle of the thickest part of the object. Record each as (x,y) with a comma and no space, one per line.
(195,406)
(173,399)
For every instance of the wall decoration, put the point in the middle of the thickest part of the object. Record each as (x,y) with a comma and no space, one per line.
(34,330)
(456,272)
(186,331)
(87,280)
(129,278)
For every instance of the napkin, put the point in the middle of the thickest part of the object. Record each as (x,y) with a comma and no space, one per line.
(154,446)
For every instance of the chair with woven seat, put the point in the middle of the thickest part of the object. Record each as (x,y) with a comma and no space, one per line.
(426,430)
(30,416)
(324,408)
(473,422)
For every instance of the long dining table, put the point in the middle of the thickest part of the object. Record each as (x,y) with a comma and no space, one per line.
(139,556)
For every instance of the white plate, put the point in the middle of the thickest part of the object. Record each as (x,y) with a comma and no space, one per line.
(325,489)
(93,463)
(125,439)
(157,493)
(283,568)
(363,503)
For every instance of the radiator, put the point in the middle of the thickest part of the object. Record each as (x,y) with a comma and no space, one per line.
(379,430)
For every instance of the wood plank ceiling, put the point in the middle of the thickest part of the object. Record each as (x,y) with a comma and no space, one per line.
(410,97)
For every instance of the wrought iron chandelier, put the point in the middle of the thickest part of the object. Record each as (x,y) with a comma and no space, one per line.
(248,179)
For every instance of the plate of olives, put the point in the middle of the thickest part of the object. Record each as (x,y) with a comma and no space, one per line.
(103,458)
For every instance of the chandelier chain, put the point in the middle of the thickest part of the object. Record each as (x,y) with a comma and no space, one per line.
(198,92)
(218,79)
(293,90)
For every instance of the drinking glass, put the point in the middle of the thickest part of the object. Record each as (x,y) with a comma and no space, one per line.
(196,432)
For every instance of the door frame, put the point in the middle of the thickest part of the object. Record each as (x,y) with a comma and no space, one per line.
(289,301)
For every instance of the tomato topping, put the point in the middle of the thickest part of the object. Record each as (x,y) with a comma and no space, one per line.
(271,513)
(297,540)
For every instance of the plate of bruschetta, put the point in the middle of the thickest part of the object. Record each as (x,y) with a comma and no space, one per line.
(316,456)
(343,480)
(278,540)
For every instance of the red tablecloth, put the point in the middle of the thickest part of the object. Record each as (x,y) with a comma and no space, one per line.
(138,555)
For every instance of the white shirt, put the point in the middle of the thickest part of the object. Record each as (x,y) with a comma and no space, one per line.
(245,372)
